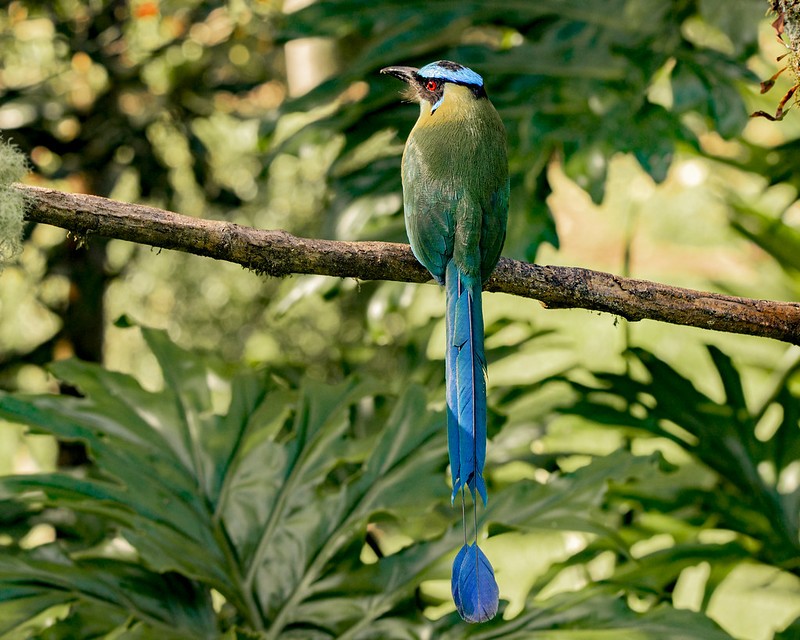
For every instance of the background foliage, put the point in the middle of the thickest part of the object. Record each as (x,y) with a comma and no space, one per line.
(644,478)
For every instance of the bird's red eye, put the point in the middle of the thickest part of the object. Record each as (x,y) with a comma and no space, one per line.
(431,85)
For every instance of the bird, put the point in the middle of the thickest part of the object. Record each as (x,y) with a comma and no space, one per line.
(455,200)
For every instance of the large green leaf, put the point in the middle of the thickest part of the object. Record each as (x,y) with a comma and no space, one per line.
(258,501)
(168,602)
(721,435)
(572,502)
(236,481)
(596,614)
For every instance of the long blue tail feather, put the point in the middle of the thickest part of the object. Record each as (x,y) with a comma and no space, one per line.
(466,383)
(474,588)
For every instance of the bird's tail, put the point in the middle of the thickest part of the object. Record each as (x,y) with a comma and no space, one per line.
(466,383)
(474,588)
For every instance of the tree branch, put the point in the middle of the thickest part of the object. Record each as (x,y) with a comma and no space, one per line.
(277,253)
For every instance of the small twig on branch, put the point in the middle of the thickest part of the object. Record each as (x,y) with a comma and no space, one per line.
(277,253)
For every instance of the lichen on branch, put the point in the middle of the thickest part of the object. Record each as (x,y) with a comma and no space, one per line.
(13,167)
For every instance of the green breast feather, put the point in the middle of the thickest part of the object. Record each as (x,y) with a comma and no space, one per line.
(455,174)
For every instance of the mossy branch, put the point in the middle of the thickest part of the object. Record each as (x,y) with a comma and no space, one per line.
(277,253)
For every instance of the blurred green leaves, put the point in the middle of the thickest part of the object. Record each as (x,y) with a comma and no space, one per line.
(572,83)
(184,105)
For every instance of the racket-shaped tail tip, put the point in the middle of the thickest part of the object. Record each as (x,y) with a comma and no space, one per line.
(474,588)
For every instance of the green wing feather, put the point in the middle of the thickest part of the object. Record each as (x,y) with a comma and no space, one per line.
(456,193)
(429,212)
(493,230)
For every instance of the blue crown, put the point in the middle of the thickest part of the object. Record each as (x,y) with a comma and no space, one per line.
(451,72)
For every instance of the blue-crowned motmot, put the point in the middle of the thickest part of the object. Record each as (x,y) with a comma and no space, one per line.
(455,195)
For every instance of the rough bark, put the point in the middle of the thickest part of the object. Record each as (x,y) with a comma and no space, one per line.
(277,253)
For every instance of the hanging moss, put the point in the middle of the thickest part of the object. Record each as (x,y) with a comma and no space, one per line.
(13,166)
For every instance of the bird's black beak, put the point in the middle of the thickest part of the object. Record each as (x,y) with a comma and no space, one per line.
(406,74)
